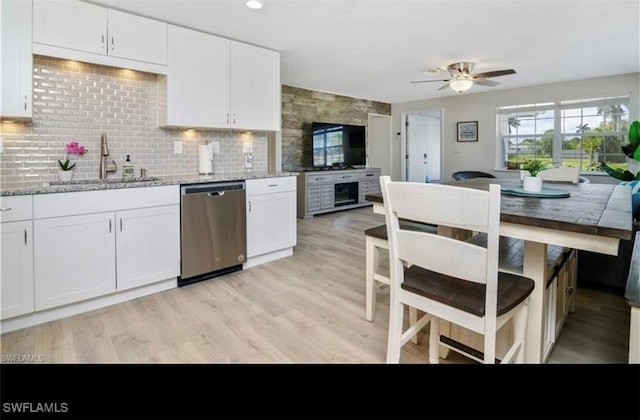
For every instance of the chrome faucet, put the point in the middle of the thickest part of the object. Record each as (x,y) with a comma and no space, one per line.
(104,152)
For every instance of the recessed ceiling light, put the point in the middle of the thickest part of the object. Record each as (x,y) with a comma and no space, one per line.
(254,4)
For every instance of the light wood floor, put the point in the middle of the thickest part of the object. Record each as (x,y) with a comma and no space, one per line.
(308,308)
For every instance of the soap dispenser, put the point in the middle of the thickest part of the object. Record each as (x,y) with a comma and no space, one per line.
(127,168)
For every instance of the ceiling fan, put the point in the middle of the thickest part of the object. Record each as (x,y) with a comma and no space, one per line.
(462,78)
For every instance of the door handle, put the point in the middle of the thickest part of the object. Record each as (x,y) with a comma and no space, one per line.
(216,194)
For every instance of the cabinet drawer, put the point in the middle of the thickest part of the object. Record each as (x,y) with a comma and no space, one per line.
(319,179)
(346,177)
(84,202)
(270,185)
(16,208)
(370,176)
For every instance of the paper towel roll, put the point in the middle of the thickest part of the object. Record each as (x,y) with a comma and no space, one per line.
(205,155)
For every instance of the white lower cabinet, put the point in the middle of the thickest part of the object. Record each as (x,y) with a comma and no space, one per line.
(147,245)
(17,268)
(74,258)
(83,256)
(271,215)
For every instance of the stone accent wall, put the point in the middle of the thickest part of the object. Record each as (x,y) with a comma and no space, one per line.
(301,107)
(80,101)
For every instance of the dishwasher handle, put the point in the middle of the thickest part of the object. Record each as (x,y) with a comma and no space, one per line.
(212,189)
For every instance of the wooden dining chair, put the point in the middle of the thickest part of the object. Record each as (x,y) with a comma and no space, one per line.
(449,279)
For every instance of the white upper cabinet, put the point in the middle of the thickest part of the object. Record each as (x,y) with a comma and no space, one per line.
(255,87)
(80,31)
(213,82)
(137,38)
(197,81)
(16,89)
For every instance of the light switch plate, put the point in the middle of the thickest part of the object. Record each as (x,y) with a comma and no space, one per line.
(247,147)
(177,147)
(216,147)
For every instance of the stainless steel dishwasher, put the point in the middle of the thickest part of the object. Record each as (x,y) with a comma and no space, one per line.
(213,230)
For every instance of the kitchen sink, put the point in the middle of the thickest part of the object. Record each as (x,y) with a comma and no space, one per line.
(103,181)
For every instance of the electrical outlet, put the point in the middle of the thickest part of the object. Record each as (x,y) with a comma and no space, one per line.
(177,147)
(216,147)
(248,161)
(247,147)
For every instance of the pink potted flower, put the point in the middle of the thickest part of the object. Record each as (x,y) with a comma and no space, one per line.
(66,167)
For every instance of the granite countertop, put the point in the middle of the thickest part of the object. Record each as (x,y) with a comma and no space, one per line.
(40,187)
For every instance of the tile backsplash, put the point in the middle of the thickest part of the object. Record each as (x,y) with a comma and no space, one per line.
(80,101)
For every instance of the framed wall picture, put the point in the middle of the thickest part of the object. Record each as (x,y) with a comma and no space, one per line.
(468,131)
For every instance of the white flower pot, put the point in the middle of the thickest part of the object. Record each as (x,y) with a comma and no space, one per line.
(633,165)
(532,184)
(65,175)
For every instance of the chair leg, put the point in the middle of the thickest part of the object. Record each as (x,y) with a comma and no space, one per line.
(434,341)
(372,257)
(520,330)
(413,318)
(394,342)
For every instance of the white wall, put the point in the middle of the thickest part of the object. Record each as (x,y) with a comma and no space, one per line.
(481,107)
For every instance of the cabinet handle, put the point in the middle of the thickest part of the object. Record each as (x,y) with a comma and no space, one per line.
(273,185)
(25,236)
(227,118)
(112,44)
(25,102)
(5,209)
(102,42)
(570,290)
(249,206)
(109,225)
(121,224)
(234,117)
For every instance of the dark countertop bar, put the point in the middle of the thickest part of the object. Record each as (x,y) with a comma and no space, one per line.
(40,187)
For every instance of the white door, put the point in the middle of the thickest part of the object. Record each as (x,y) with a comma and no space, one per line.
(17,269)
(379,143)
(423,134)
(74,258)
(148,245)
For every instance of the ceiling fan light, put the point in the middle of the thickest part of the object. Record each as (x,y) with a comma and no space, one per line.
(460,85)
(254,4)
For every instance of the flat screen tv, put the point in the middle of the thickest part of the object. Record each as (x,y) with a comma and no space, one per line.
(338,145)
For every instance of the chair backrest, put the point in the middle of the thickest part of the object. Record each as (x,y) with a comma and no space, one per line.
(460,175)
(559,174)
(444,205)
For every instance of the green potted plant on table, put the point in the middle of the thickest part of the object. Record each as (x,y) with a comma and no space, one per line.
(632,155)
(532,182)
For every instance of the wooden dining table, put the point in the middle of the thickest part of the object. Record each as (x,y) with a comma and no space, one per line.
(595,217)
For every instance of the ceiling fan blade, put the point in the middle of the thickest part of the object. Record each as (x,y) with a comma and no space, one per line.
(496,73)
(444,87)
(485,82)
(426,81)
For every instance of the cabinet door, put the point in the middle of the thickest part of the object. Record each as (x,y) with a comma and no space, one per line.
(17,269)
(148,245)
(70,24)
(17,59)
(197,79)
(271,222)
(74,258)
(137,38)
(255,87)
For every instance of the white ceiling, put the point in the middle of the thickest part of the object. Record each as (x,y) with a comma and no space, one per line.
(372,49)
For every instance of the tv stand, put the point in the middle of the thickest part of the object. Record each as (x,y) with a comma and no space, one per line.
(335,189)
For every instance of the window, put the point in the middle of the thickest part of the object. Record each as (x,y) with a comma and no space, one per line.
(580,133)
(328,146)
